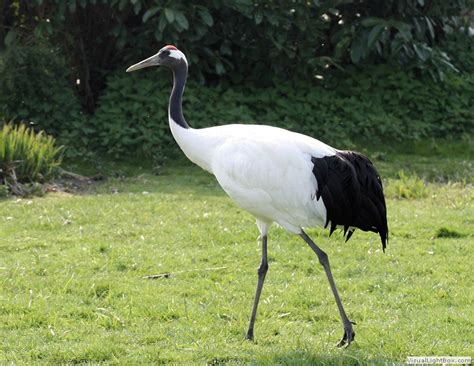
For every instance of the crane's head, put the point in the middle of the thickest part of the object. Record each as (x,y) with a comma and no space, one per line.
(168,56)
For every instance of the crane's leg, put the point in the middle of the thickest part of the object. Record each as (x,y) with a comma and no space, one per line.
(262,271)
(349,333)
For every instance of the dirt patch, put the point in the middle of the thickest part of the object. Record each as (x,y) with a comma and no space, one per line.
(72,183)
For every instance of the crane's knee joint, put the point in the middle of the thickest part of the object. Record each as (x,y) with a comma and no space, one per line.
(262,269)
(323,258)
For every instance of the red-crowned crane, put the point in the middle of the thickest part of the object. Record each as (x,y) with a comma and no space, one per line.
(280,176)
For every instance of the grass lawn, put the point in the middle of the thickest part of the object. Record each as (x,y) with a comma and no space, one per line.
(72,268)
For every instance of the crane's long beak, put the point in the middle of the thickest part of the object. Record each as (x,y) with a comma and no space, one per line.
(150,61)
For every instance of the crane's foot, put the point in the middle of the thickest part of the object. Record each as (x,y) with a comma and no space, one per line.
(249,335)
(348,336)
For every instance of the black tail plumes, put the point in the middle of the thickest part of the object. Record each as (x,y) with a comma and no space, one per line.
(352,193)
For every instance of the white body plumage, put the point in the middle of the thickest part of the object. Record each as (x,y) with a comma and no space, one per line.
(265,170)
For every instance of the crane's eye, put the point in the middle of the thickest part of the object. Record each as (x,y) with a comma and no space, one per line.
(164,54)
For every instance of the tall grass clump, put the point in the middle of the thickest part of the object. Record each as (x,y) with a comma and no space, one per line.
(406,186)
(26,157)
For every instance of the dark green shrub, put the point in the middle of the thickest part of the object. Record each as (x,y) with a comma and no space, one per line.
(460,46)
(248,47)
(26,157)
(35,88)
(131,116)
(244,40)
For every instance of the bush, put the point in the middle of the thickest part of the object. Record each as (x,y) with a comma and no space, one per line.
(248,47)
(460,46)
(242,41)
(377,104)
(131,116)
(35,88)
(26,157)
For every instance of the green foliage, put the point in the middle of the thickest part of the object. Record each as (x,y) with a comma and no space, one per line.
(26,157)
(138,122)
(411,187)
(242,41)
(404,32)
(357,68)
(376,104)
(4,191)
(460,45)
(35,87)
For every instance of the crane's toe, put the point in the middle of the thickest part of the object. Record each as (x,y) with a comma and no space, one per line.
(348,336)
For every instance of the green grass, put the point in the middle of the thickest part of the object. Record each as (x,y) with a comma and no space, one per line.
(72,267)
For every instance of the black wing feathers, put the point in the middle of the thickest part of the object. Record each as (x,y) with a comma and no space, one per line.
(352,192)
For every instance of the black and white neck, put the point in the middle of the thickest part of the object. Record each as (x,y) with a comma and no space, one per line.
(175,109)
(196,144)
